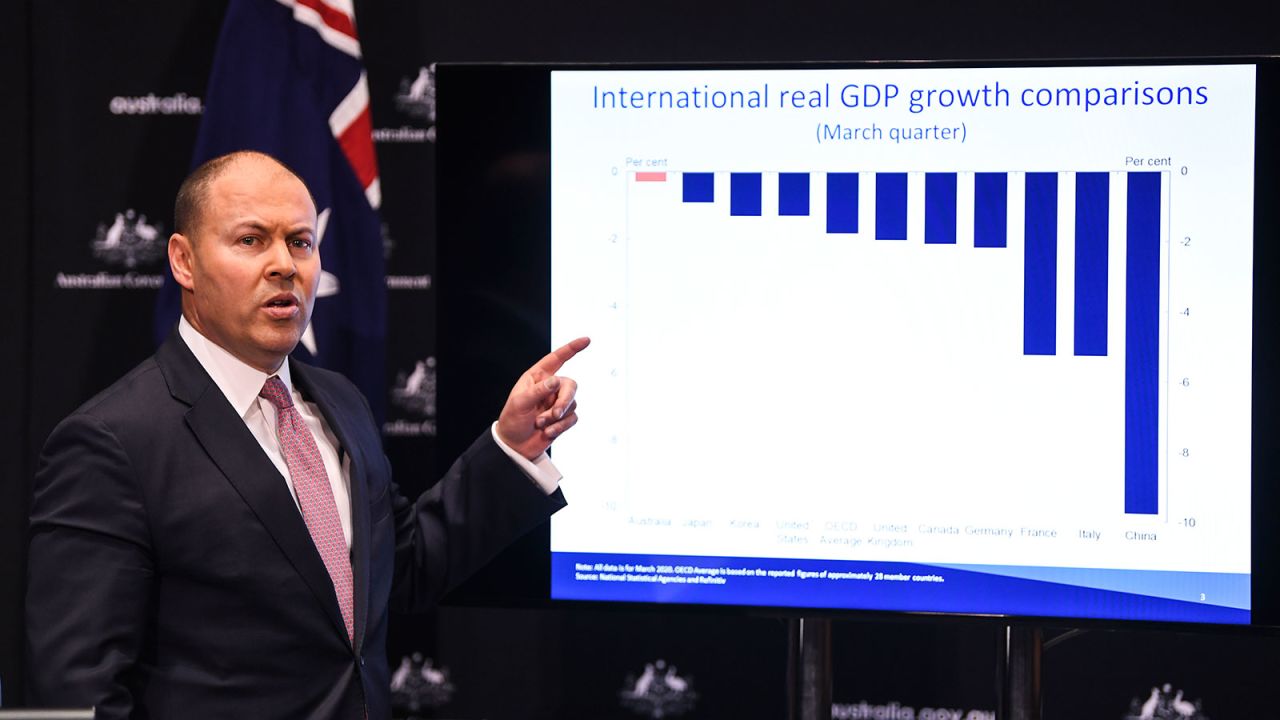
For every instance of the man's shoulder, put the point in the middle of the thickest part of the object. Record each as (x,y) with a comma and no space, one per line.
(142,387)
(318,374)
(139,400)
(132,414)
(337,386)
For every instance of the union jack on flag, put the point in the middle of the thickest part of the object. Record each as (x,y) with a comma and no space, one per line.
(288,80)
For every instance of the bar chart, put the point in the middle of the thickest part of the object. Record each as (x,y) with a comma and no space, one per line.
(1029,348)
(1141,239)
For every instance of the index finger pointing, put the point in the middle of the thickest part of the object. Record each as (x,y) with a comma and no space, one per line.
(554,360)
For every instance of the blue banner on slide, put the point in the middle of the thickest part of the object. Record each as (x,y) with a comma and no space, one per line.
(905,587)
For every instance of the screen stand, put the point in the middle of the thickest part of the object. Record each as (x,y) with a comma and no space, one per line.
(809,669)
(1018,673)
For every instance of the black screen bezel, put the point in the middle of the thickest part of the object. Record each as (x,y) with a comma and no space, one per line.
(493,274)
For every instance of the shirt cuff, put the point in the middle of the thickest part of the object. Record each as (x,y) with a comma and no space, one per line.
(540,470)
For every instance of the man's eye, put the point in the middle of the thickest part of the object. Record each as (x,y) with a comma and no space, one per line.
(247,240)
(300,242)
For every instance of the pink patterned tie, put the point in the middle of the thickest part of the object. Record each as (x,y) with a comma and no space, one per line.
(315,495)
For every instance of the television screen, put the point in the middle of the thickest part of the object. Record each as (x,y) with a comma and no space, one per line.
(930,338)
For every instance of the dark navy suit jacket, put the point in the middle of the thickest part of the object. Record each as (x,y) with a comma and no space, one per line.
(171,574)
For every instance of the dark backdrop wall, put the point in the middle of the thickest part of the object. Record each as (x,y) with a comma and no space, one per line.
(104,102)
(15,204)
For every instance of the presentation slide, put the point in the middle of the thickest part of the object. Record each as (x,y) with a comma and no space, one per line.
(971,340)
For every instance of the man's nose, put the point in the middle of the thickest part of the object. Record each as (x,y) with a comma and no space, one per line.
(280,260)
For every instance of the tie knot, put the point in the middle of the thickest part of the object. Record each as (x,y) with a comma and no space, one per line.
(276,393)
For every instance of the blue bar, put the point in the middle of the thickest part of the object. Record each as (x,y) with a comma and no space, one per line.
(940,208)
(793,193)
(990,210)
(744,193)
(842,203)
(1091,264)
(699,187)
(1043,591)
(891,206)
(1040,266)
(1142,345)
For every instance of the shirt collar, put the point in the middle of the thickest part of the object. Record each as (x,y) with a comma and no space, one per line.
(239,382)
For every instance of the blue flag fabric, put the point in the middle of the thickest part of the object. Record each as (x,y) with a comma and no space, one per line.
(288,80)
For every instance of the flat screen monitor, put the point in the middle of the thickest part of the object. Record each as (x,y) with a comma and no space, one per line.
(983,339)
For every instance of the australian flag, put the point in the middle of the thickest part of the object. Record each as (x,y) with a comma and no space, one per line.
(288,81)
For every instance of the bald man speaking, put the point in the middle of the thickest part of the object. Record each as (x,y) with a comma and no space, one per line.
(217,534)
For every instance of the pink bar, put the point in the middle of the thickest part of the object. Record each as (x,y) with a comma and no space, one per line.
(651,177)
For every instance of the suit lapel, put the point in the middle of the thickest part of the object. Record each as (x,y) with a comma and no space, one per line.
(223,435)
(341,423)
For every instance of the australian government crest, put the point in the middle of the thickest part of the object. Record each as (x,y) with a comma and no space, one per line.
(417,686)
(658,692)
(1165,703)
(416,100)
(128,242)
(413,394)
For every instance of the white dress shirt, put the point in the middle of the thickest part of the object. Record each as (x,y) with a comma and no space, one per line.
(241,383)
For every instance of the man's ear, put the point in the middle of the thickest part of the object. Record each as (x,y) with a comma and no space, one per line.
(181,260)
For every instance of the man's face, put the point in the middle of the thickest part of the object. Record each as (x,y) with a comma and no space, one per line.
(249,271)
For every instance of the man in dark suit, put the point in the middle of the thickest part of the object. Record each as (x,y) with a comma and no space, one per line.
(217,534)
